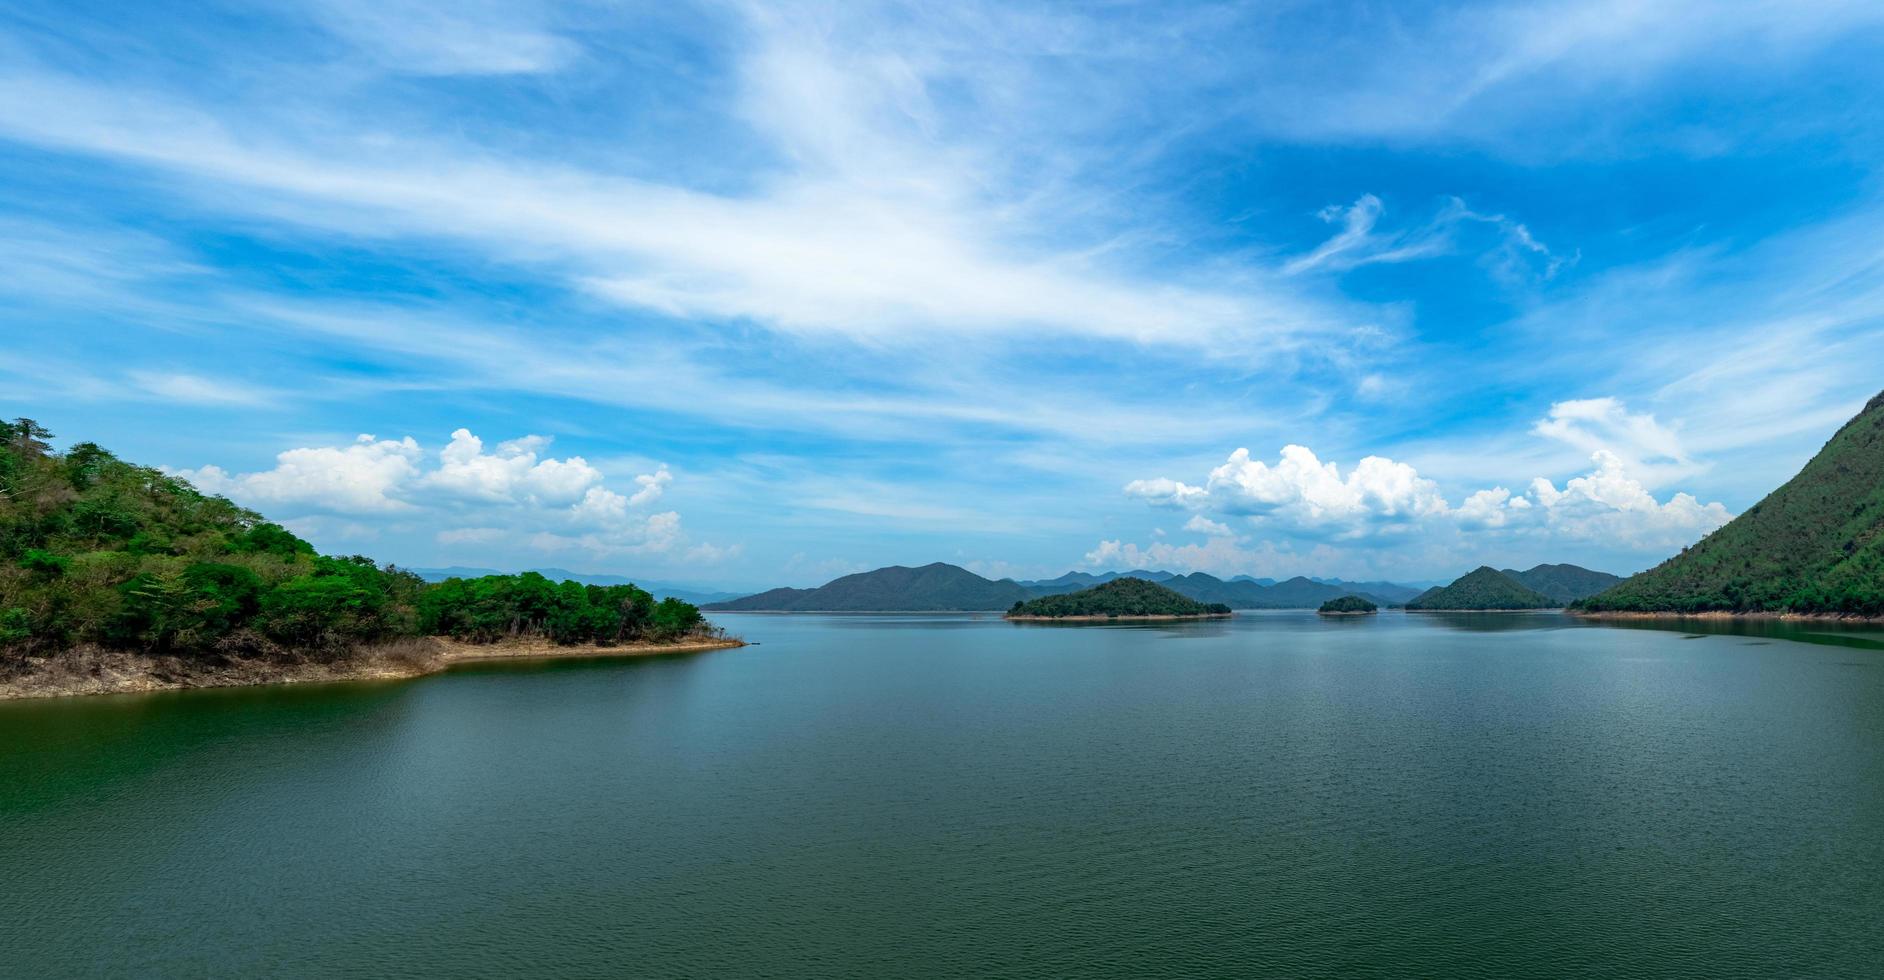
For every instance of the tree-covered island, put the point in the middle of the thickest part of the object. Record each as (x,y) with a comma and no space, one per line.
(1123,598)
(1347,605)
(115,576)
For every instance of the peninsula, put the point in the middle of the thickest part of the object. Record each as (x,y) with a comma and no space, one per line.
(1812,548)
(116,577)
(1119,599)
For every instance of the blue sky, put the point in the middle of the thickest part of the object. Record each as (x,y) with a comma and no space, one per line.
(756,294)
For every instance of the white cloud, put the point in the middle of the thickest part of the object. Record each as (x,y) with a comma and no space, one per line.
(560,503)
(651,485)
(512,474)
(371,475)
(1221,556)
(1513,255)
(1302,492)
(1204,525)
(1300,495)
(1608,504)
(1646,447)
(195,389)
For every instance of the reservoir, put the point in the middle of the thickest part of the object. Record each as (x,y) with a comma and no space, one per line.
(1495,795)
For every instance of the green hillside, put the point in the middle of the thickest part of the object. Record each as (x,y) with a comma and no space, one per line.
(937,587)
(1815,545)
(1564,583)
(1347,605)
(95,551)
(1483,588)
(1119,597)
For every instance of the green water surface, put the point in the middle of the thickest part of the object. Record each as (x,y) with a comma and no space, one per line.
(950,796)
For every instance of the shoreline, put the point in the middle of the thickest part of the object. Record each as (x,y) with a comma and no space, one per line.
(89,672)
(1539,609)
(1114,619)
(1721,615)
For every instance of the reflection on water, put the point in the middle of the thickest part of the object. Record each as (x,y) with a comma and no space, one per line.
(1476,795)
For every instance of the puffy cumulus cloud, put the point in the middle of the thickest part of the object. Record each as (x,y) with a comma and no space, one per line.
(1304,493)
(623,533)
(513,488)
(1204,525)
(1218,555)
(652,485)
(1648,448)
(371,475)
(512,473)
(1609,504)
(1302,496)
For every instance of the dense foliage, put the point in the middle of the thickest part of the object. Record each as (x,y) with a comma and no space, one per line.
(97,551)
(1119,597)
(1564,583)
(1348,604)
(1815,545)
(1483,588)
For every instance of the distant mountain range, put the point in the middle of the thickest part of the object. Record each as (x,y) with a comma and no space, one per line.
(937,587)
(660,590)
(1815,545)
(943,587)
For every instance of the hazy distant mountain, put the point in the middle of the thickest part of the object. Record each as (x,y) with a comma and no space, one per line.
(947,587)
(660,590)
(1815,545)
(1564,583)
(1483,588)
(931,588)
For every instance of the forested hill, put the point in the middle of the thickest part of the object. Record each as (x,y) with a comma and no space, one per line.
(936,587)
(1120,598)
(943,587)
(1482,588)
(95,551)
(1564,583)
(1815,545)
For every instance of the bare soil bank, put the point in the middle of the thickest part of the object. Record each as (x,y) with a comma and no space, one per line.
(95,671)
(1729,616)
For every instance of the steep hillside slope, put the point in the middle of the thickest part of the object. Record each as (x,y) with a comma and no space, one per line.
(1815,545)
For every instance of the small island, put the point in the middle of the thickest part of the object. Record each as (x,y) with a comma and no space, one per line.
(1119,599)
(1348,605)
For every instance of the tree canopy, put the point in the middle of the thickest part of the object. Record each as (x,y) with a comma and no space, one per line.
(98,551)
(1119,597)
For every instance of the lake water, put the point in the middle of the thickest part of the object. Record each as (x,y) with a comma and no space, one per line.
(1508,795)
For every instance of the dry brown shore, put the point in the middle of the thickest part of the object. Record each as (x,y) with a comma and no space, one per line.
(95,671)
(1722,616)
(1112,619)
